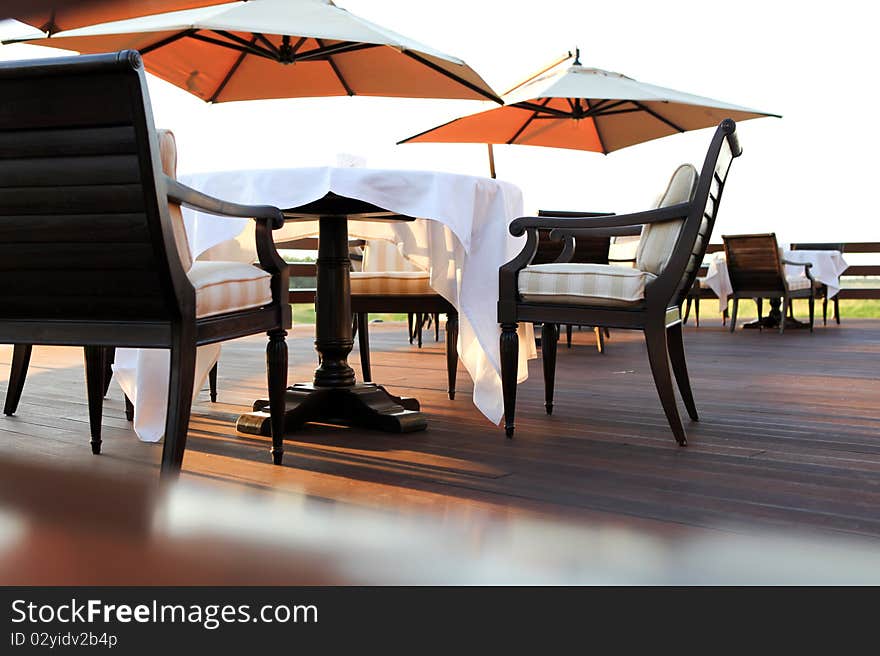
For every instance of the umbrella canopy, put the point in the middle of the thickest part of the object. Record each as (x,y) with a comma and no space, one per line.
(280,49)
(55,15)
(572,106)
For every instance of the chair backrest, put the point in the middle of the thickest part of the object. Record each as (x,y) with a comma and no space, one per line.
(658,239)
(753,263)
(85,231)
(818,246)
(381,256)
(677,277)
(587,250)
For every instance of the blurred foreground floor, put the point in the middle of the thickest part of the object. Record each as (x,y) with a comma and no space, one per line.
(780,483)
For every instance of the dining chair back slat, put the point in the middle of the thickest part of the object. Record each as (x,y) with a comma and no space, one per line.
(753,262)
(85,235)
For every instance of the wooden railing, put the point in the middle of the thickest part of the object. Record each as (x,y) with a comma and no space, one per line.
(854,271)
(308,269)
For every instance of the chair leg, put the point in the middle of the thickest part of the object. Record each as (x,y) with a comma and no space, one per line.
(760,303)
(411,331)
(549,341)
(786,308)
(21,358)
(825,310)
(658,356)
(697,310)
(600,339)
(436,326)
(675,343)
(812,305)
(276,374)
(837,310)
(509,362)
(733,314)
(567,335)
(687,310)
(420,321)
(364,346)
(212,382)
(180,389)
(451,353)
(109,359)
(129,409)
(95,357)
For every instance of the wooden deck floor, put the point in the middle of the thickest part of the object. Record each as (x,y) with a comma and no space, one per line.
(789,437)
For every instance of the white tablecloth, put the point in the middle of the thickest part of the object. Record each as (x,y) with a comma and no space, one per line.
(460,237)
(827,268)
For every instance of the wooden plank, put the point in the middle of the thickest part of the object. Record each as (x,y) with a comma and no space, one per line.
(73,142)
(69,171)
(118,228)
(111,199)
(76,256)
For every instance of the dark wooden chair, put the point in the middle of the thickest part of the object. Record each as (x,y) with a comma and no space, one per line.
(822,290)
(646,298)
(387,282)
(22,352)
(91,255)
(757,270)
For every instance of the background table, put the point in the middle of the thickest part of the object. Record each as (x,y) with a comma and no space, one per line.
(460,237)
(827,268)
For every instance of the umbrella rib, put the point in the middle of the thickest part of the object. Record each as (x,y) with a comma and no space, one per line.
(244,43)
(452,76)
(336,70)
(657,116)
(269,45)
(542,109)
(528,122)
(231,46)
(229,75)
(166,41)
(338,49)
(590,110)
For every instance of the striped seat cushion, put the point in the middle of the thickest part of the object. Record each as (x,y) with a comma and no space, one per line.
(168,155)
(390,283)
(795,283)
(223,287)
(583,284)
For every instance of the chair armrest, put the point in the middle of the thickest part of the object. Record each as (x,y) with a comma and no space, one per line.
(183,195)
(807,266)
(572,214)
(562,227)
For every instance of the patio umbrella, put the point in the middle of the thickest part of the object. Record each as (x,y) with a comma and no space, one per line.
(582,108)
(54,15)
(280,49)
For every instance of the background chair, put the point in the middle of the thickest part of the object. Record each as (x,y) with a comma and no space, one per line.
(821,289)
(647,297)
(94,255)
(388,282)
(757,270)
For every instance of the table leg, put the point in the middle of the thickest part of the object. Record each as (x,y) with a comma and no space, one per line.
(334,396)
(774,316)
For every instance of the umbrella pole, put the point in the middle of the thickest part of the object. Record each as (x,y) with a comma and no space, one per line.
(491,161)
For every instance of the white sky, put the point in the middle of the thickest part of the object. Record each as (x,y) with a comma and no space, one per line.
(807,176)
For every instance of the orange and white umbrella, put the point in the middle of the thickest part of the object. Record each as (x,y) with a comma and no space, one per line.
(280,49)
(572,106)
